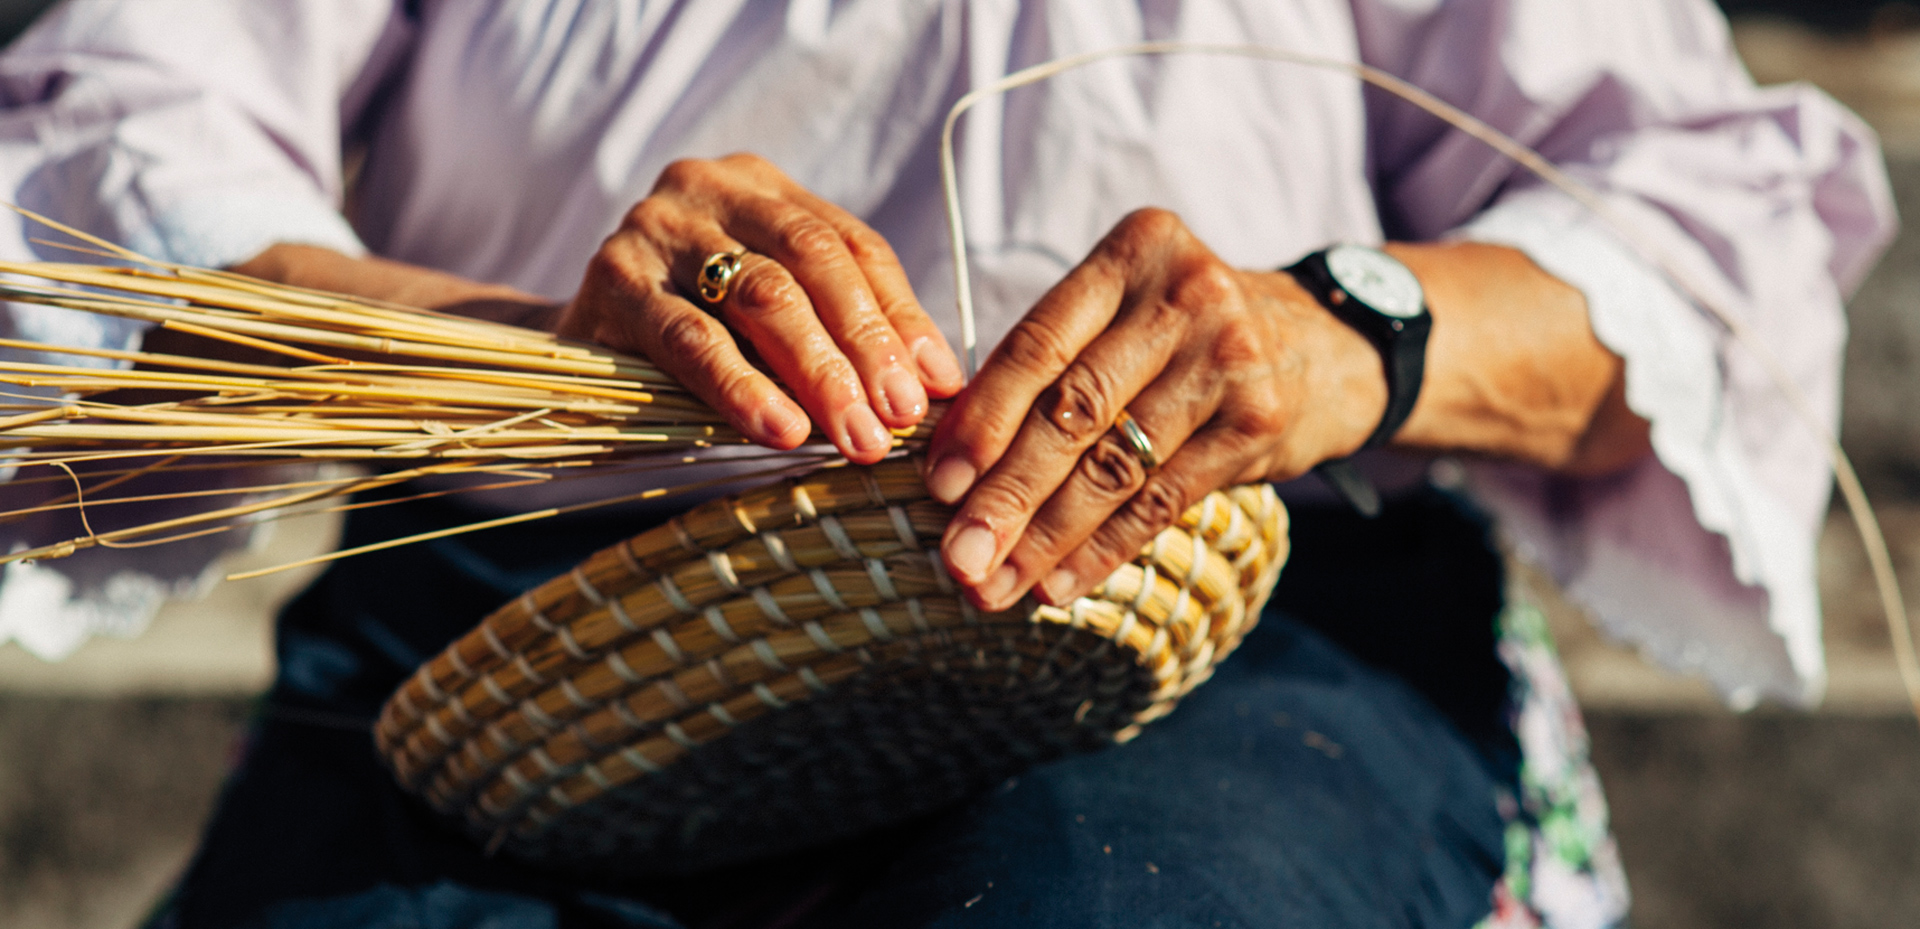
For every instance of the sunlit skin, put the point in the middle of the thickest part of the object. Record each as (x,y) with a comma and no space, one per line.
(1235,375)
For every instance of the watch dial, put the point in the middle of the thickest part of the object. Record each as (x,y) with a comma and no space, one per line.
(1377,279)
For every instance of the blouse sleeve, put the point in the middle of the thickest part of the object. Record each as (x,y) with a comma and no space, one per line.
(196,131)
(1772,202)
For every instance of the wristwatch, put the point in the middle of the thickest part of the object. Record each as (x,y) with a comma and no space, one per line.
(1381,299)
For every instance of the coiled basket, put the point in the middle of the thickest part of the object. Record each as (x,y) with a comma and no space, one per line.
(793,665)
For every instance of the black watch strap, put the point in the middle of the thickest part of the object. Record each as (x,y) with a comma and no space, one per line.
(1402,343)
(1406,366)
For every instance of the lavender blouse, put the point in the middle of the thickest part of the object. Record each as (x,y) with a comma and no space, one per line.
(504,140)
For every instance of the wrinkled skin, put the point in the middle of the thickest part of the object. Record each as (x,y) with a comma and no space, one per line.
(819,294)
(1234,375)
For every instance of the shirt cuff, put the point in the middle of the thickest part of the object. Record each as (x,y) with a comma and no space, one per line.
(1689,556)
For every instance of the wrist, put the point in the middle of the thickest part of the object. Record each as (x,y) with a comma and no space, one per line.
(1377,296)
(1340,385)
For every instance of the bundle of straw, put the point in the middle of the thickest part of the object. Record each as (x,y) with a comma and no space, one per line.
(410,392)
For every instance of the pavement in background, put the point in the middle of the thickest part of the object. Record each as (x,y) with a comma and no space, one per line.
(101,802)
(1769,821)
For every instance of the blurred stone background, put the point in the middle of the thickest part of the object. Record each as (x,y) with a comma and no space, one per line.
(109,761)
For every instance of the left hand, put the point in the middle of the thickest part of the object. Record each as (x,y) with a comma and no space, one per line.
(1235,376)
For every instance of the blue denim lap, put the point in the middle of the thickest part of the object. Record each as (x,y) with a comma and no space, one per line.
(1298,788)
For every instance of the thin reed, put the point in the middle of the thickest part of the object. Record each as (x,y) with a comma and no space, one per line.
(328,378)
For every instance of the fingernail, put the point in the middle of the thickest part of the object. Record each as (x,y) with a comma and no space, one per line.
(906,400)
(1059,586)
(865,433)
(937,364)
(951,478)
(776,421)
(970,552)
(999,585)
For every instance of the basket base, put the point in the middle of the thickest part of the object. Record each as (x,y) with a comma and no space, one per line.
(899,742)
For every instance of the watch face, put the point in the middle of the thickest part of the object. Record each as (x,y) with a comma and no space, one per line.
(1377,279)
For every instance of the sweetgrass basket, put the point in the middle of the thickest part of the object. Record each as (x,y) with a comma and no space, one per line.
(793,665)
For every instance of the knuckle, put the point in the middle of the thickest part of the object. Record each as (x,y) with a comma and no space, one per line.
(684,173)
(1261,418)
(1142,239)
(646,215)
(868,246)
(836,384)
(602,266)
(1034,345)
(867,332)
(737,385)
(765,289)
(655,219)
(806,238)
(1157,505)
(746,160)
(1111,468)
(998,504)
(1236,346)
(1211,285)
(1041,540)
(609,270)
(1077,405)
(1112,545)
(1152,223)
(692,337)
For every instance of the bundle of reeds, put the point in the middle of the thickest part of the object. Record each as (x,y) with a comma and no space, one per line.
(330,378)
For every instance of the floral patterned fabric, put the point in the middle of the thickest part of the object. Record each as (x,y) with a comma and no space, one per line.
(1563,868)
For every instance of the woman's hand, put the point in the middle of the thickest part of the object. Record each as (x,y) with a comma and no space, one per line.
(819,296)
(1234,376)
(1240,376)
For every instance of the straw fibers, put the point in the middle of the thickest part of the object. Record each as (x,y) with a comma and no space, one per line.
(326,379)
(767,671)
(792,665)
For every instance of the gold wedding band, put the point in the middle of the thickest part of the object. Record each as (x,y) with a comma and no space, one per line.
(717,273)
(1137,439)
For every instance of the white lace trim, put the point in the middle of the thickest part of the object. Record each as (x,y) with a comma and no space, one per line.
(1690,557)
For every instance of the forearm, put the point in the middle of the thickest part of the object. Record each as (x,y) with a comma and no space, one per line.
(398,282)
(1513,367)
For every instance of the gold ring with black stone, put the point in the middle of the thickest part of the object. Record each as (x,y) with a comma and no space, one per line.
(717,273)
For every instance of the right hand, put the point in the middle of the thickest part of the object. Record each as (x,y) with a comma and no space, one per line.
(819,296)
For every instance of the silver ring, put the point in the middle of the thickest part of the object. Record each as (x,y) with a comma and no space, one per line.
(717,273)
(1137,438)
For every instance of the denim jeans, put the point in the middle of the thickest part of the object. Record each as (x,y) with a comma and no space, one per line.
(1340,770)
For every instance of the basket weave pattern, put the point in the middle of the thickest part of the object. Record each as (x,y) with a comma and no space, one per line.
(792,665)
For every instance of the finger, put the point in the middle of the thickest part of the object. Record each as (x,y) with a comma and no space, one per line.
(772,312)
(817,257)
(939,367)
(1103,479)
(1068,417)
(627,302)
(981,424)
(1214,458)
